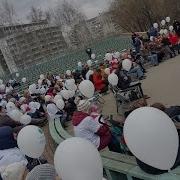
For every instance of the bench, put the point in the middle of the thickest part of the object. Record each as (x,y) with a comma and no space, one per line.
(117,166)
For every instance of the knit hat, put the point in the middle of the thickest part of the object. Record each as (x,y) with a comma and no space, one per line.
(83,105)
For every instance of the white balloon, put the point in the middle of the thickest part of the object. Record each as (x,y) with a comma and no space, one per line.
(34,105)
(60,104)
(96,61)
(42,76)
(155,25)
(152,38)
(24,80)
(107,71)
(10,106)
(108,56)
(15,115)
(32,88)
(71,93)
(165,31)
(57,77)
(52,110)
(70,84)
(80,64)
(113,79)
(40,82)
(81,157)
(42,90)
(163,22)
(86,87)
(152,137)
(68,73)
(17,74)
(37,105)
(31,141)
(171,28)
(65,94)
(161,31)
(89,63)
(57,97)
(168,19)
(1,81)
(93,56)
(89,73)
(2,87)
(3,103)
(48,98)
(117,55)
(25,119)
(127,64)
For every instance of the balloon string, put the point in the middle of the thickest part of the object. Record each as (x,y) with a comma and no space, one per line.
(39,161)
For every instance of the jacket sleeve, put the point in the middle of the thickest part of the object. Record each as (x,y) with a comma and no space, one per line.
(102,130)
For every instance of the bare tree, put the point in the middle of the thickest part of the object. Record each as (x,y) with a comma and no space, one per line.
(36,15)
(66,13)
(7,13)
(139,15)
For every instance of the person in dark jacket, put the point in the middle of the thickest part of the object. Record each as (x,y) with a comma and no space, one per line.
(5,120)
(172,111)
(176,26)
(123,80)
(166,44)
(7,140)
(89,52)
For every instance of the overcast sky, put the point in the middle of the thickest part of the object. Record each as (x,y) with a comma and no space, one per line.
(90,7)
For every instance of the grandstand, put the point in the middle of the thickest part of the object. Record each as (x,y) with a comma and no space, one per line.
(69,60)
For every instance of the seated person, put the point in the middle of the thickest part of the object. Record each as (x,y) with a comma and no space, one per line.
(166,44)
(9,153)
(123,80)
(172,111)
(52,91)
(86,127)
(7,140)
(99,84)
(5,120)
(69,108)
(152,57)
(136,71)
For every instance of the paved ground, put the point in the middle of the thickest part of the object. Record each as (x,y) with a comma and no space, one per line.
(163,82)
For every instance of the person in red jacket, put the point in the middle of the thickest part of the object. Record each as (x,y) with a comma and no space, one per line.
(99,84)
(85,126)
(173,38)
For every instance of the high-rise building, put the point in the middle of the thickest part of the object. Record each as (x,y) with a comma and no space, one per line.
(22,45)
(92,29)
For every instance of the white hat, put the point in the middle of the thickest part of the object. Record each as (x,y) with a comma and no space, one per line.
(83,105)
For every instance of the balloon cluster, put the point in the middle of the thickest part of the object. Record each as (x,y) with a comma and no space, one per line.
(163,24)
(17,115)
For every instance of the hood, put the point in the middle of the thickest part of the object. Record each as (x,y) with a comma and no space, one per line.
(78,117)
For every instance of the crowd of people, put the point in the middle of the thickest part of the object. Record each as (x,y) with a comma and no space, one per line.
(59,95)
